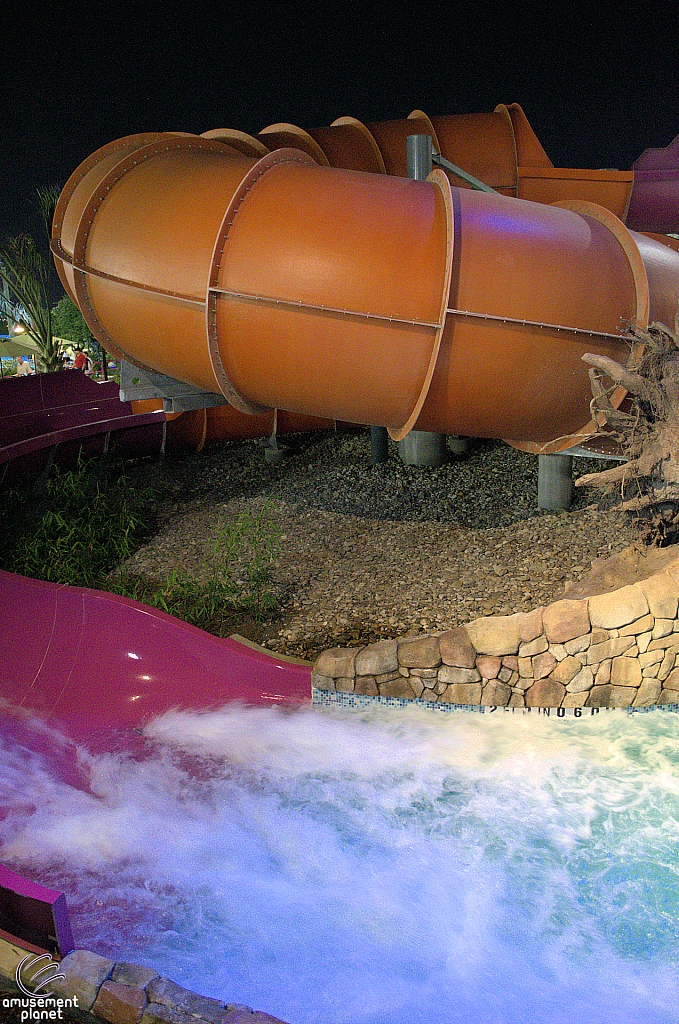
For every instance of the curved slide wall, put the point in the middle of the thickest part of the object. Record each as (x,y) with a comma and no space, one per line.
(89,662)
(499,148)
(277,281)
(97,667)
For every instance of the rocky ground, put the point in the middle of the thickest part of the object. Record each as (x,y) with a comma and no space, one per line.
(370,552)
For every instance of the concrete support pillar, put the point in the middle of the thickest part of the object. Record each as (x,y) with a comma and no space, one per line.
(458,445)
(555,482)
(379,445)
(423,448)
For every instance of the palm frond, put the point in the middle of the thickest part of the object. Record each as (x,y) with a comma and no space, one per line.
(24,273)
(48,196)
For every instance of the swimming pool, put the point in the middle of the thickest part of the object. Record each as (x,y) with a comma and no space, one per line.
(370,866)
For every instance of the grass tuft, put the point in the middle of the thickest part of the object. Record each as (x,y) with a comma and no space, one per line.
(235,581)
(88,522)
(85,522)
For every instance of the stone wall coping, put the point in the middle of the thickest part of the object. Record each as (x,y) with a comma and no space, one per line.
(122,993)
(574,652)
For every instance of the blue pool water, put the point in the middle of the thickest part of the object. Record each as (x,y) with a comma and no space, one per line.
(377,866)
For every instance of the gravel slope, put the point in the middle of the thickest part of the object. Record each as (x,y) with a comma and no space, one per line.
(375,551)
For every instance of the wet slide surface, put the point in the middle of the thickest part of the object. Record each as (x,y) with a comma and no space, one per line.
(88,662)
(91,667)
(67,409)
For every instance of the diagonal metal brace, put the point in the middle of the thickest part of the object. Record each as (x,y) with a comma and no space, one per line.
(441,161)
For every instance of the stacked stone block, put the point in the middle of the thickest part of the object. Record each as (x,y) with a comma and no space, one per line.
(123,993)
(614,650)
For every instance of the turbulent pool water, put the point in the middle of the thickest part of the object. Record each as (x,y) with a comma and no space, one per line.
(376,867)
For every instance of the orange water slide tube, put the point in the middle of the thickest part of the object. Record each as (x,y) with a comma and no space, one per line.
(277,281)
(491,146)
(499,148)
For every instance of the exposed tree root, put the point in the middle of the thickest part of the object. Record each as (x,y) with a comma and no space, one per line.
(648,430)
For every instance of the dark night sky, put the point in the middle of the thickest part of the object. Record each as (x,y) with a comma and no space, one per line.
(598,88)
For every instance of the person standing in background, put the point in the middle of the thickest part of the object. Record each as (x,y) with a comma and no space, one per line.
(24,368)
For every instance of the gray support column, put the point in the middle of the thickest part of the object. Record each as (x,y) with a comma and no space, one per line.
(421,447)
(555,482)
(458,445)
(379,445)
(418,157)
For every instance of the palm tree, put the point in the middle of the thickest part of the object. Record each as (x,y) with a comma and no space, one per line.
(26,277)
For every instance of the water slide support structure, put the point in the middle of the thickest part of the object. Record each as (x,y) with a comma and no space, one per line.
(555,482)
(138,384)
(277,280)
(379,445)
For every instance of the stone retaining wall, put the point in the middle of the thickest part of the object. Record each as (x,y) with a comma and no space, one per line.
(123,993)
(617,649)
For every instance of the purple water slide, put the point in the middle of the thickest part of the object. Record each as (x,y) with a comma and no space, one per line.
(89,662)
(98,667)
(35,915)
(654,205)
(66,409)
(94,665)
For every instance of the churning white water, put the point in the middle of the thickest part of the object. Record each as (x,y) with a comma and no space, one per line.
(376,867)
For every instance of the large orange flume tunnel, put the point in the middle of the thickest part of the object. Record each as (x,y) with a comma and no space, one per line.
(276,280)
(499,148)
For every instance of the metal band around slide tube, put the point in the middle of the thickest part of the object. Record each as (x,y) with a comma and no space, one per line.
(535,323)
(439,179)
(642,292)
(161,144)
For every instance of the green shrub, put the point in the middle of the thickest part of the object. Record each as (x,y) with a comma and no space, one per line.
(9,366)
(84,524)
(235,581)
(87,522)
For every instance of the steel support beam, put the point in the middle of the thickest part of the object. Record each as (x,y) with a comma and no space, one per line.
(137,384)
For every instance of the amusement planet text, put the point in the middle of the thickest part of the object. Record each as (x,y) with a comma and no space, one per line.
(40,1007)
